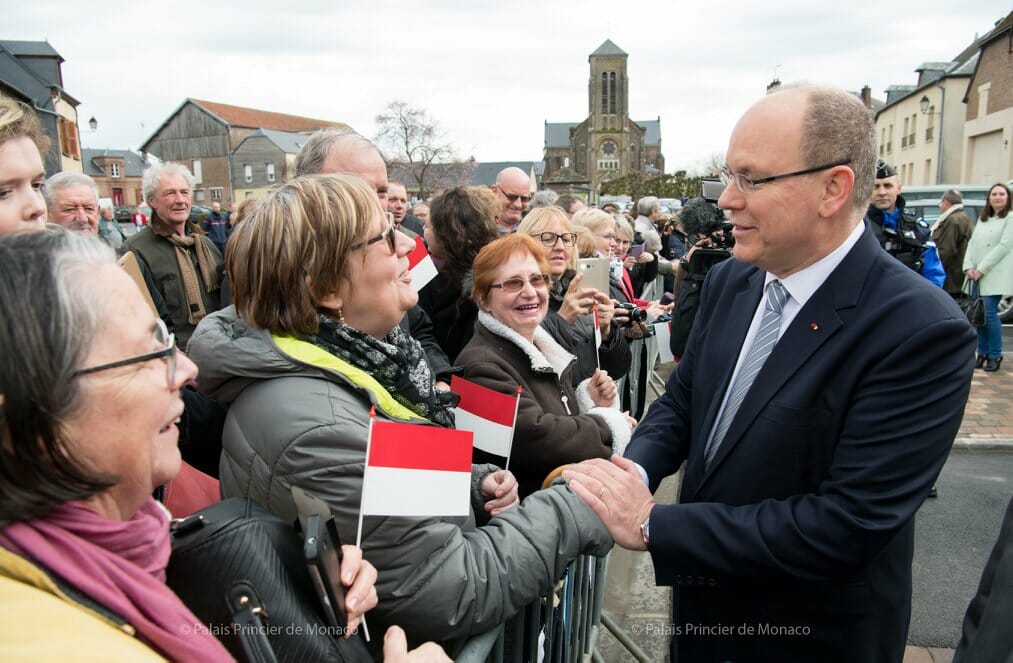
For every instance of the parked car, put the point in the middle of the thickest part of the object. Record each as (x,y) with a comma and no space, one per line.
(928,208)
(198,212)
(970,192)
(121,213)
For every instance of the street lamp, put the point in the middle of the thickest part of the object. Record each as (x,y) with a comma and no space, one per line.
(923,103)
(93,123)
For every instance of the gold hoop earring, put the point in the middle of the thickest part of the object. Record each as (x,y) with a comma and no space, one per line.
(341,317)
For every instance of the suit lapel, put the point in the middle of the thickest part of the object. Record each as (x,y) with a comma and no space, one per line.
(813,326)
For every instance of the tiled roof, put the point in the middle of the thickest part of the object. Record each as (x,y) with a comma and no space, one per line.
(485,173)
(286,141)
(652,135)
(30,48)
(132,164)
(557,134)
(608,48)
(238,116)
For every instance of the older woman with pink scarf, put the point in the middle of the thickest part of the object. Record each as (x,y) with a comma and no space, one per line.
(89,402)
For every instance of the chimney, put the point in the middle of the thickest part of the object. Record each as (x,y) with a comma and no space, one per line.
(867,96)
(773,85)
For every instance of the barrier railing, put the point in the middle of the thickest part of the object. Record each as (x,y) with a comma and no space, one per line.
(561,627)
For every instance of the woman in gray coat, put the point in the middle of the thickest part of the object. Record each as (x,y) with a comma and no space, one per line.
(320,279)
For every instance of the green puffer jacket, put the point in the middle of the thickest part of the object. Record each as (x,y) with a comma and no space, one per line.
(300,416)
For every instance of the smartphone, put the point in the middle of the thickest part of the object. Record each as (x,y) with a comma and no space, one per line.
(596,273)
(636,251)
(323,558)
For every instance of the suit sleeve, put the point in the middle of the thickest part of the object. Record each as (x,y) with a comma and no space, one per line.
(897,431)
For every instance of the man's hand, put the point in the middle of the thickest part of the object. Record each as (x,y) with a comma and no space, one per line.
(500,491)
(616,492)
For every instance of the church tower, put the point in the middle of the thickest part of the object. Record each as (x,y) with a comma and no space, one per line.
(581,156)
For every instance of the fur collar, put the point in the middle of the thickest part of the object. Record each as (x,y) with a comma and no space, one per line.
(545,353)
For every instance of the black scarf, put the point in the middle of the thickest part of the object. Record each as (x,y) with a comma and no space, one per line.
(397,362)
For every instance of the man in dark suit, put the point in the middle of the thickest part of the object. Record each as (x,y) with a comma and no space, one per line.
(822,386)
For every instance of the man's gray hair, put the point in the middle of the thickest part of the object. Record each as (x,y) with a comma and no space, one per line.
(837,126)
(543,198)
(953,197)
(647,205)
(313,154)
(153,177)
(64,180)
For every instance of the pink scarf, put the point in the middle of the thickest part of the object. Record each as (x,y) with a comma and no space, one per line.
(121,566)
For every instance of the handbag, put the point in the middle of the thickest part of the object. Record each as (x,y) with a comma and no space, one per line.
(242,571)
(974,306)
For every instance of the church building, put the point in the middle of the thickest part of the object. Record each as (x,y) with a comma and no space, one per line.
(608,144)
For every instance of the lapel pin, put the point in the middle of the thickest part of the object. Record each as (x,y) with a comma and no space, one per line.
(814,327)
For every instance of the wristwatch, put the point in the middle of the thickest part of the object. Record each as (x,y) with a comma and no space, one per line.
(645,531)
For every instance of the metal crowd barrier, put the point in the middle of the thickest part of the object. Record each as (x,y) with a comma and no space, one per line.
(561,627)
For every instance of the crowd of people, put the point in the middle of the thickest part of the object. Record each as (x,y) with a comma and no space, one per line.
(821,386)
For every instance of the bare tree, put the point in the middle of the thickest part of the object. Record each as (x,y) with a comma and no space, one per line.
(413,144)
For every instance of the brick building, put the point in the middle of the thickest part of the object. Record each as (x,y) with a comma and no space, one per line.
(988,126)
(117,174)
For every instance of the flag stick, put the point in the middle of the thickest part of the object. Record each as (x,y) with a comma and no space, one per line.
(517,406)
(358,533)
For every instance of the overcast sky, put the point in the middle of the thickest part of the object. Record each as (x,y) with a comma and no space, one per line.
(490,73)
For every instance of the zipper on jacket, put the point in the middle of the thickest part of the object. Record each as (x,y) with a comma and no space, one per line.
(565,404)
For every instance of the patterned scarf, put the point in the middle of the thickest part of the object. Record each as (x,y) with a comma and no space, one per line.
(206,262)
(397,362)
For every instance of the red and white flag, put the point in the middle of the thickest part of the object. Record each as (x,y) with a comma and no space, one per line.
(421,265)
(416,470)
(597,336)
(487,413)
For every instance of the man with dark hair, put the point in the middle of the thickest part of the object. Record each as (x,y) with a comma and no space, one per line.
(821,388)
(905,238)
(951,232)
(571,204)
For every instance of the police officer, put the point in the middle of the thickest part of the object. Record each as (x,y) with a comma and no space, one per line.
(901,235)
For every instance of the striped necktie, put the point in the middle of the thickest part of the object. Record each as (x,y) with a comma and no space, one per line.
(764,342)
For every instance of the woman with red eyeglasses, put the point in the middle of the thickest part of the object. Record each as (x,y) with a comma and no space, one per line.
(556,423)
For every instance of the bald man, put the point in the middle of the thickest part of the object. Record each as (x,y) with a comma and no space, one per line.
(513,188)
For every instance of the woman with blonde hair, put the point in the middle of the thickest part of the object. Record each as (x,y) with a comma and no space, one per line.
(570,319)
(22,144)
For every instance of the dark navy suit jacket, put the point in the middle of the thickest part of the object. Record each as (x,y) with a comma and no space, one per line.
(799,535)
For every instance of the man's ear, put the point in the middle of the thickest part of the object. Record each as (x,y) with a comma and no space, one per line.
(838,184)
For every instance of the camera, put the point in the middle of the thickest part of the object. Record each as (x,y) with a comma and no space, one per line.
(636,313)
(701,220)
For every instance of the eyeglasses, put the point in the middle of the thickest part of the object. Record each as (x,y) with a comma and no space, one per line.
(516,284)
(162,337)
(386,234)
(550,239)
(609,236)
(745,183)
(514,197)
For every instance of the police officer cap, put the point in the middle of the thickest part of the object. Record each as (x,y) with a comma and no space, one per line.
(884,170)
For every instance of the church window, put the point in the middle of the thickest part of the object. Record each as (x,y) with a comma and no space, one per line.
(604,93)
(612,93)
